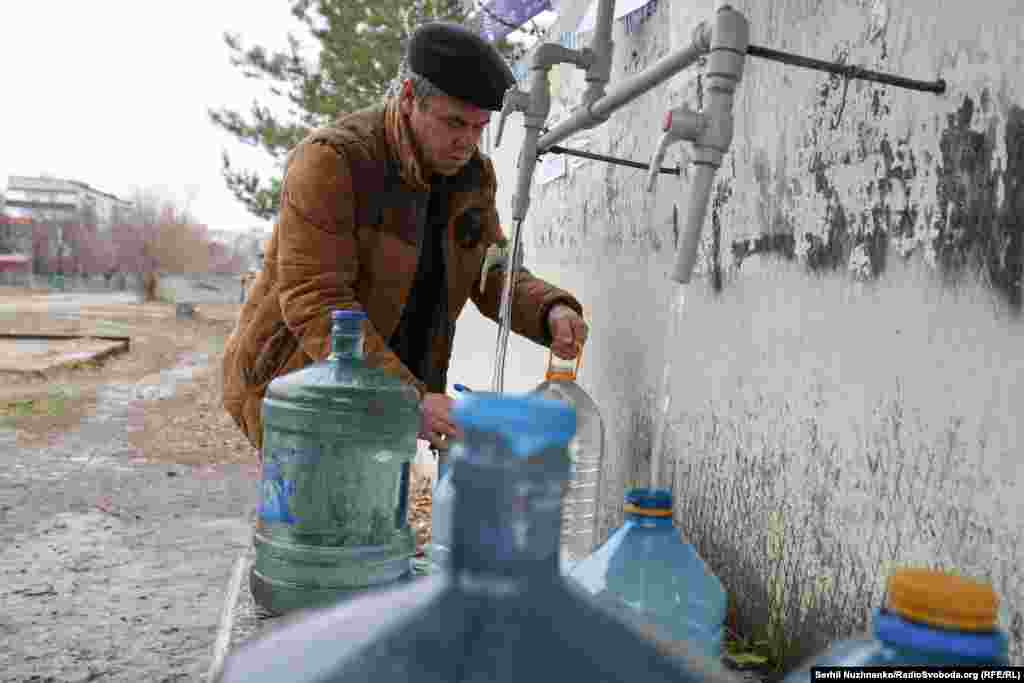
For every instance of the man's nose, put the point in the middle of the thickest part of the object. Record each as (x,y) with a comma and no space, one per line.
(469,139)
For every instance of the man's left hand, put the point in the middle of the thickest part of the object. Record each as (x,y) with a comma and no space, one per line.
(568,331)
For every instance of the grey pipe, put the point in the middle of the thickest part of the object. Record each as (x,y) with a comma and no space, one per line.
(601,47)
(625,92)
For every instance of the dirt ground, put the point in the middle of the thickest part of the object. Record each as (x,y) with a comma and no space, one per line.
(189,427)
(126,495)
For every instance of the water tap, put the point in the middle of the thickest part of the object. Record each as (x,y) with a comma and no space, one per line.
(710,130)
(681,123)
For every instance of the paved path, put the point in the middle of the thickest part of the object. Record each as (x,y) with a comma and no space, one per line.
(114,569)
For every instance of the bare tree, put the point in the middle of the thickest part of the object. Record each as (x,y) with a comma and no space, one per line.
(88,252)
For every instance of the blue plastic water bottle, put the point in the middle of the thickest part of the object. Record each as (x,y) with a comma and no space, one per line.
(501,611)
(930,618)
(646,572)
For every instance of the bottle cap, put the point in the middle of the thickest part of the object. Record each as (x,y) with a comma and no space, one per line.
(529,424)
(561,370)
(347,314)
(943,600)
(649,502)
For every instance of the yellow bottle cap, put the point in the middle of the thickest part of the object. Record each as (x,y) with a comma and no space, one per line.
(561,370)
(943,600)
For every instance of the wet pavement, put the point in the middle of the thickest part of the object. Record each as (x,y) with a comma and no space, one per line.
(113,568)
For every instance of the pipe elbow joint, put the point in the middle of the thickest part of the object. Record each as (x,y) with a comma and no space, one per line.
(702,36)
(548,54)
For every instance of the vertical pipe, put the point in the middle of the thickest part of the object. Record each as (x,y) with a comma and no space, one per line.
(602,47)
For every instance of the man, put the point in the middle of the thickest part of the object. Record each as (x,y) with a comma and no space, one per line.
(391,210)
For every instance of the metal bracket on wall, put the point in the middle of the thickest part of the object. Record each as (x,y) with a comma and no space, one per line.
(848,70)
(555,149)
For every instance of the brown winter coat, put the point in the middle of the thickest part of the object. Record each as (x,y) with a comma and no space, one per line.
(334,247)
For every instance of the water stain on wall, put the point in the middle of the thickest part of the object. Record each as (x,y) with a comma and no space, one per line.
(1008,255)
(721,196)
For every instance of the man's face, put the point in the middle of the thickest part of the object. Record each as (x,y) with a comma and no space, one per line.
(446,129)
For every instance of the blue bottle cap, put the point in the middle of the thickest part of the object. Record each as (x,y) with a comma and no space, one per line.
(347,314)
(529,424)
(649,499)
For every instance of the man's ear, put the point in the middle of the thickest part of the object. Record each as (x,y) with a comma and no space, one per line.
(405,98)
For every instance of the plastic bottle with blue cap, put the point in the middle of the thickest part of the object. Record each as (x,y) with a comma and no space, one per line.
(651,577)
(338,440)
(929,618)
(501,611)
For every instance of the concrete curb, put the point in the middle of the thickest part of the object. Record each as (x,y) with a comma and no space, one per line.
(222,644)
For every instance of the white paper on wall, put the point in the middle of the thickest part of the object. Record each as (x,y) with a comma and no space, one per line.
(622,8)
(550,167)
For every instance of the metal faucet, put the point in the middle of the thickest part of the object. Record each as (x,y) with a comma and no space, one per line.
(710,130)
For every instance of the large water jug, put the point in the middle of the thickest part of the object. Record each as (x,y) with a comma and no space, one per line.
(501,610)
(338,440)
(654,579)
(929,618)
(581,504)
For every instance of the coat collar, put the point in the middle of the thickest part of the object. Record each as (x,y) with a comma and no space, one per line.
(404,152)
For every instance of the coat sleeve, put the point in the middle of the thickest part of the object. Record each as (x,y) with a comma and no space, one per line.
(318,260)
(532,299)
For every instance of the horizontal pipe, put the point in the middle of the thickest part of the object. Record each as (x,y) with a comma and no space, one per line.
(624,93)
(848,70)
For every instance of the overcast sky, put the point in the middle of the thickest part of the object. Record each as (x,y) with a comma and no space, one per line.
(115,93)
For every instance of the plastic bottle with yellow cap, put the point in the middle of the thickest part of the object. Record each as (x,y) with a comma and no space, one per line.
(929,618)
(649,576)
(581,503)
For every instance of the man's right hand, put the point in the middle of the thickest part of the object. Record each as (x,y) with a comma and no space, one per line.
(435,418)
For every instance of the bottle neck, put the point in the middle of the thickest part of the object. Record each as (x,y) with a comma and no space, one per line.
(506,517)
(346,340)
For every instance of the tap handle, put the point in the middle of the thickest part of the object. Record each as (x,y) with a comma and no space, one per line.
(681,123)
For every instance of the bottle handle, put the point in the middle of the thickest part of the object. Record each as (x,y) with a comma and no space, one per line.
(561,370)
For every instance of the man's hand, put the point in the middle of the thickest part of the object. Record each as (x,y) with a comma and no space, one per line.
(568,331)
(435,418)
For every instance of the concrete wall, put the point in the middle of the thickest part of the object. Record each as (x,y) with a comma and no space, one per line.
(834,394)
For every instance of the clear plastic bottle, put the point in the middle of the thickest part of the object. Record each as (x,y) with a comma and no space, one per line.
(338,440)
(441,504)
(654,579)
(501,611)
(930,618)
(581,505)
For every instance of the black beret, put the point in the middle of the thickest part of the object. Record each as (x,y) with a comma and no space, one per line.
(460,63)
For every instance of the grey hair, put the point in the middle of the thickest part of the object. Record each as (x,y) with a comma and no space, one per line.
(422,87)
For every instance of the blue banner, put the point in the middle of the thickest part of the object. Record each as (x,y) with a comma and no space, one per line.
(501,17)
